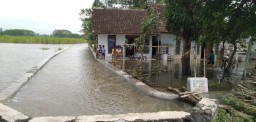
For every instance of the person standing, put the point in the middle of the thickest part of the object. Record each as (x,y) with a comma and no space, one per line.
(211,58)
(103,52)
(98,51)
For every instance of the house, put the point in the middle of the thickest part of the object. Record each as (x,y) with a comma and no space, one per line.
(112,26)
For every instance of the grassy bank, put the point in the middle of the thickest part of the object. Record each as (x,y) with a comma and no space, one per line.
(40,40)
(240,104)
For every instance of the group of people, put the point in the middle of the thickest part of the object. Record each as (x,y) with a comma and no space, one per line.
(117,52)
(101,51)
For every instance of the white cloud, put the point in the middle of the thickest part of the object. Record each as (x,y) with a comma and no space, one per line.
(38,15)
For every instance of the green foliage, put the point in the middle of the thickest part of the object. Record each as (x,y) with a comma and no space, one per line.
(216,86)
(231,21)
(1,31)
(18,32)
(224,116)
(240,106)
(149,24)
(228,20)
(139,42)
(86,18)
(39,40)
(98,3)
(64,34)
(182,17)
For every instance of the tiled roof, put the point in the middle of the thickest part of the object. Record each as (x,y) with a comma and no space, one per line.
(160,12)
(121,21)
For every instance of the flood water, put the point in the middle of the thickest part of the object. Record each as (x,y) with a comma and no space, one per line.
(169,73)
(74,83)
(17,59)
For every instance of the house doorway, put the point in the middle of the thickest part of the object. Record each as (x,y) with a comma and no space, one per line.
(130,49)
(154,43)
(111,43)
(203,48)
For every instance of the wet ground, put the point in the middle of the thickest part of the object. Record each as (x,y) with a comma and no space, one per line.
(16,59)
(74,83)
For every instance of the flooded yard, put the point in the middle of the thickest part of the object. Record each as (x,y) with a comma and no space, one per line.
(169,73)
(74,83)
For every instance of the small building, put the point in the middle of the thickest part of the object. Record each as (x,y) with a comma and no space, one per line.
(112,26)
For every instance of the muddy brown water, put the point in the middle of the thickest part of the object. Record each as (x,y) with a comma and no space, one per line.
(74,83)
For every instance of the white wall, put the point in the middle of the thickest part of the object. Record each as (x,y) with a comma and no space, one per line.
(120,39)
(149,55)
(170,40)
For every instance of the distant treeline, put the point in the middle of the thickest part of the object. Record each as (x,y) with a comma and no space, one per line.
(23,32)
(40,40)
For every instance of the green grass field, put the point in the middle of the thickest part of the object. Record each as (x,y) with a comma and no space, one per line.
(40,40)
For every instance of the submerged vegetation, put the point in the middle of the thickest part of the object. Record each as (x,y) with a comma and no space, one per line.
(40,40)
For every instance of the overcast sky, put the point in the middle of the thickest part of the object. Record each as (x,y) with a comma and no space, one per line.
(42,16)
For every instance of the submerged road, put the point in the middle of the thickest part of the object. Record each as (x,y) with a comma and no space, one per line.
(74,83)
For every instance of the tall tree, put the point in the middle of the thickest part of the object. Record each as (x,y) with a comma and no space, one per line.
(61,33)
(87,24)
(231,21)
(182,18)
(19,32)
(98,3)
(85,17)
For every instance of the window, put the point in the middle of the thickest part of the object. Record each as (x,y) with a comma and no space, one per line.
(146,49)
(111,43)
(178,43)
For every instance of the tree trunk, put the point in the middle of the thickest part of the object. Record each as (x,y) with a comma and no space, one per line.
(247,59)
(227,68)
(186,69)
